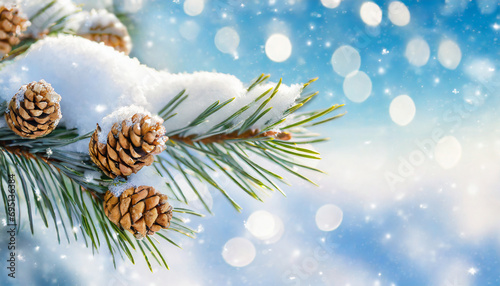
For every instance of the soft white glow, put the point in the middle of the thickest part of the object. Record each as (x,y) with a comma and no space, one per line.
(189,30)
(194,7)
(449,54)
(399,13)
(331,3)
(448,152)
(261,224)
(329,217)
(238,252)
(357,86)
(278,48)
(345,60)
(402,110)
(370,13)
(418,52)
(227,40)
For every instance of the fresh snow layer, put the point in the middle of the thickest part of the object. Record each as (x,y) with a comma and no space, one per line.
(123,114)
(95,80)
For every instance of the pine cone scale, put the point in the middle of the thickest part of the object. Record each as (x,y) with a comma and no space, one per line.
(141,211)
(125,152)
(34,118)
(11,27)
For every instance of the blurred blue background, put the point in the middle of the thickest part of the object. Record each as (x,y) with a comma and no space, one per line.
(420,200)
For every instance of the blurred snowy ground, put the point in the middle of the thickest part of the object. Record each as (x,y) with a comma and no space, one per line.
(417,183)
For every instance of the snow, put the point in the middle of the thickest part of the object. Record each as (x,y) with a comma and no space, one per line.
(107,23)
(104,80)
(278,48)
(59,9)
(147,176)
(123,114)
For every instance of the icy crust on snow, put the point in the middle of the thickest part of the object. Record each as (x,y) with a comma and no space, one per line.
(94,80)
(147,176)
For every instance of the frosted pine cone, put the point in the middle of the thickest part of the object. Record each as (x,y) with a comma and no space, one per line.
(34,111)
(104,27)
(12,24)
(142,210)
(130,145)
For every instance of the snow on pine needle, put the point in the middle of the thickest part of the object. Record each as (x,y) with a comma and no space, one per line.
(94,80)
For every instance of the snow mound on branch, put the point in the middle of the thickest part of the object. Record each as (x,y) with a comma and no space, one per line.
(123,114)
(94,80)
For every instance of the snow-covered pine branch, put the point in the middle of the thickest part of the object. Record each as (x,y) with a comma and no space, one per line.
(95,80)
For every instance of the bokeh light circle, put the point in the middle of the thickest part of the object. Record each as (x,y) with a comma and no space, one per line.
(238,252)
(357,86)
(278,48)
(329,217)
(402,110)
(345,60)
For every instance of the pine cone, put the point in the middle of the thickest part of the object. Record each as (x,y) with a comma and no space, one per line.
(12,24)
(34,111)
(130,145)
(142,210)
(104,27)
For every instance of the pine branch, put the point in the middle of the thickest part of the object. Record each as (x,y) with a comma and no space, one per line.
(232,145)
(53,185)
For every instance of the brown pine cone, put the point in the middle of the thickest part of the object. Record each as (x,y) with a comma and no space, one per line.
(12,24)
(34,111)
(142,210)
(104,27)
(130,145)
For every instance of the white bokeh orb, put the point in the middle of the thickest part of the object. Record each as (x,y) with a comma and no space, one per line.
(194,7)
(238,252)
(370,13)
(399,14)
(418,52)
(265,226)
(189,30)
(279,230)
(449,54)
(402,110)
(448,152)
(345,60)
(329,217)
(278,48)
(331,3)
(227,40)
(357,86)
(261,224)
